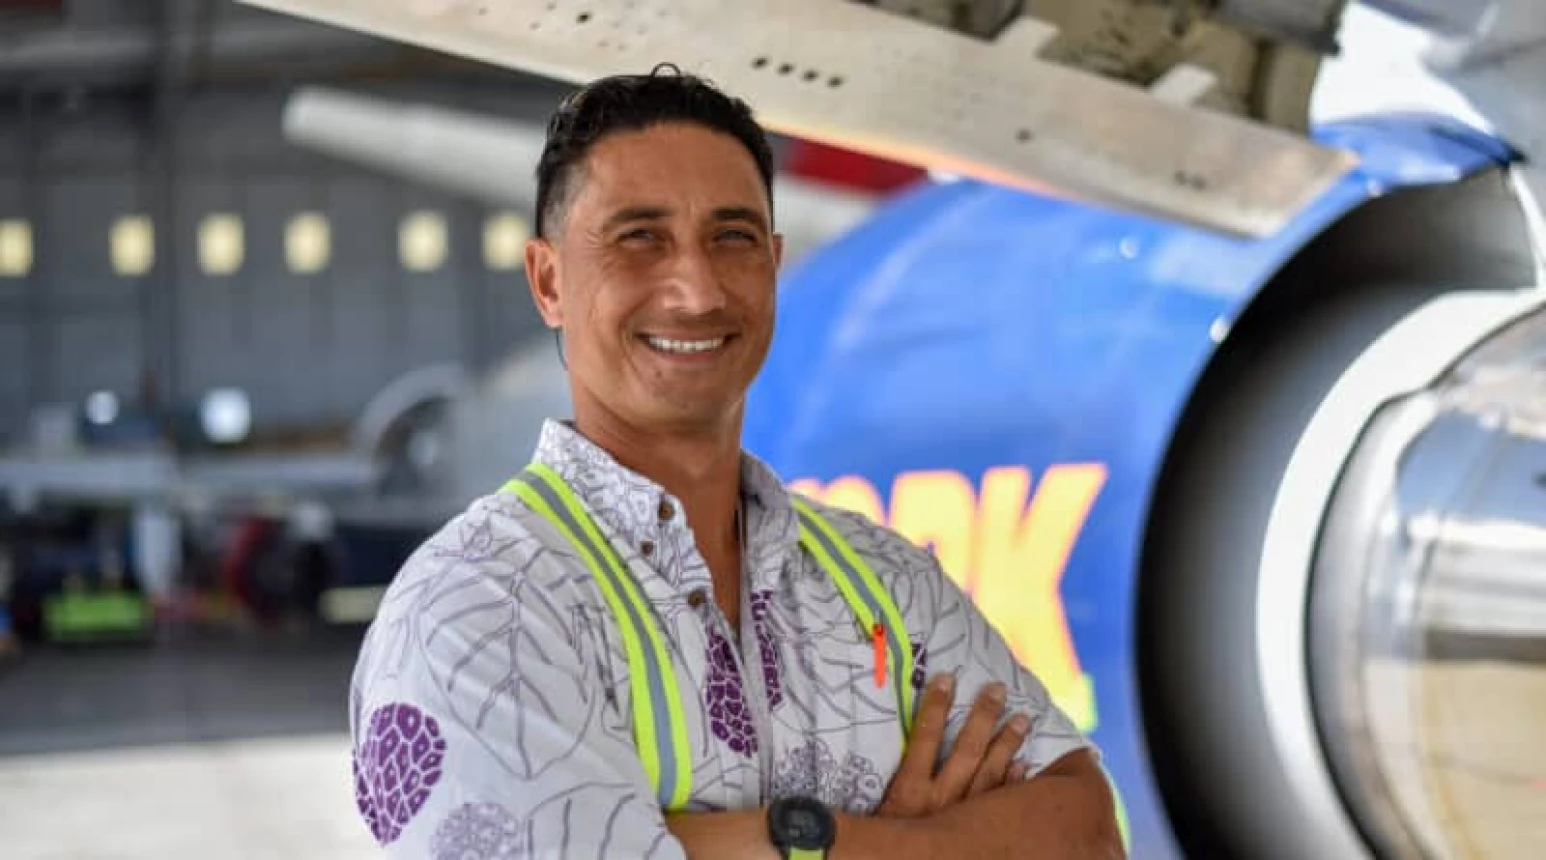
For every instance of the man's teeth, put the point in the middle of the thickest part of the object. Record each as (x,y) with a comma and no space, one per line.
(667,345)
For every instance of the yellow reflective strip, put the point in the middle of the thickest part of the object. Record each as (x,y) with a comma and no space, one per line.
(901,646)
(672,692)
(638,679)
(857,603)
(898,647)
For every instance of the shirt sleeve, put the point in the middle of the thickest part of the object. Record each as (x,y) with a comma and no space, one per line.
(481,727)
(961,640)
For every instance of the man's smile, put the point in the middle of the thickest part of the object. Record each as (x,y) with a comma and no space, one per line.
(688,347)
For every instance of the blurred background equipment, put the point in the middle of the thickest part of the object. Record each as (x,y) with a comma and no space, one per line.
(1201,341)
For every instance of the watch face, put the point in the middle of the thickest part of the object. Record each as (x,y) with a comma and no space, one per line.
(803,826)
(801,822)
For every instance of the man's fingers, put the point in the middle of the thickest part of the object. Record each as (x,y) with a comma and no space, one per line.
(928,729)
(971,745)
(911,790)
(995,765)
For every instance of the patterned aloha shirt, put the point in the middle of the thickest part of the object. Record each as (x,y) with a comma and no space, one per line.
(490,706)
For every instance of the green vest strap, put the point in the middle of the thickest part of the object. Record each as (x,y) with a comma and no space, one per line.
(659,724)
(867,598)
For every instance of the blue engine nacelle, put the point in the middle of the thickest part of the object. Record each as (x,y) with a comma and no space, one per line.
(1091,418)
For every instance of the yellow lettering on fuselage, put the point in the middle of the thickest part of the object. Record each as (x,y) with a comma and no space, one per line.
(849,493)
(1005,547)
(936,509)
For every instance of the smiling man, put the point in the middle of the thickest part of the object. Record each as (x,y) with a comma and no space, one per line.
(643,645)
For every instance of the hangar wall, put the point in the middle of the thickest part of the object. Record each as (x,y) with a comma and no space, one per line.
(309,347)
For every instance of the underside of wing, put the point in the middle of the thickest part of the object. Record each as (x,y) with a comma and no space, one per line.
(1148,107)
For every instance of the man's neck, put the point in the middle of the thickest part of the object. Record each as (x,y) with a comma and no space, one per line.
(702,470)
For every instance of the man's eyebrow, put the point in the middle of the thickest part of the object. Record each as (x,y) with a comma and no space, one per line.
(741,213)
(630,214)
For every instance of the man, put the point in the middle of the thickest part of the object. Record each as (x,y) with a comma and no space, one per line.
(506,703)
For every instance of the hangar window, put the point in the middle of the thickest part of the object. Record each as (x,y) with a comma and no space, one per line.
(504,241)
(132,245)
(221,244)
(421,241)
(15,248)
(308,243)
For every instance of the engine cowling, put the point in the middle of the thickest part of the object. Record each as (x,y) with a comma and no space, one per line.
(1360,686)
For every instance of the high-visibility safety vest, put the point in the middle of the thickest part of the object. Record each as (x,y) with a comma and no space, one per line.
(659,722)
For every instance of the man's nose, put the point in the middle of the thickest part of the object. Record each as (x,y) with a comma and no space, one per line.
(694,284)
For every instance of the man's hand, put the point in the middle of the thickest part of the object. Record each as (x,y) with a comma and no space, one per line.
(980,761)
(964,809)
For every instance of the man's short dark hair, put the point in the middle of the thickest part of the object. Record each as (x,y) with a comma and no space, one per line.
(634,103)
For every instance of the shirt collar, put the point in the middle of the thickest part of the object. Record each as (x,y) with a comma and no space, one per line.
(637,508)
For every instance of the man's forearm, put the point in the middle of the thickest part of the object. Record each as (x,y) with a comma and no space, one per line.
(1065,813)
(708,835)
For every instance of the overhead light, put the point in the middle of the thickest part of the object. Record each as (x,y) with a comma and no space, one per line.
(421,241)
(221,244)
(15,248)
(308,243)
(504,241)
(133,246)
(102,408)
(226,415)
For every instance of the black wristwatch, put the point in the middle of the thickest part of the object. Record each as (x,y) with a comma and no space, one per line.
(801,828)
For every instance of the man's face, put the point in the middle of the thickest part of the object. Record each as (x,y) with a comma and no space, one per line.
(662,274)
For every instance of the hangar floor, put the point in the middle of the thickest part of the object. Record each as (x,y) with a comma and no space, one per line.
(237,748)
(196,749)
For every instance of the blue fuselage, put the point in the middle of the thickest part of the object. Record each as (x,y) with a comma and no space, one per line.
(998,375)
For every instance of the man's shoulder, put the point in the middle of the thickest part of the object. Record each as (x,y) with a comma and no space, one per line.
(482,575)
(887,551)
(494,528)
(493,543)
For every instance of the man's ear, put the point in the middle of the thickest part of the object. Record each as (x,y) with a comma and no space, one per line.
(542,275)
(778,250)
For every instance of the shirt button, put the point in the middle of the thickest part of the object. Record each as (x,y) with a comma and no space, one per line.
(696,599)
(648,548)
(667,511)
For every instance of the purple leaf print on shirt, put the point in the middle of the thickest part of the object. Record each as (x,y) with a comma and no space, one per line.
(772,663)
(920,665)
(478,830)
(729,717)
(811,769)
(396,768)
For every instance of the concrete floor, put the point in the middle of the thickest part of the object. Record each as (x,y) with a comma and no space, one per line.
(223,749)
(238,749)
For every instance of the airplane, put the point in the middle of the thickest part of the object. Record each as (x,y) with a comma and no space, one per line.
(1233,425)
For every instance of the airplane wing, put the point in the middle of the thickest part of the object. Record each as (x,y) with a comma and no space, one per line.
(1184,110)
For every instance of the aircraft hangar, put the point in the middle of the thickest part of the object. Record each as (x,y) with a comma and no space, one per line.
(181,283)
(1202,344)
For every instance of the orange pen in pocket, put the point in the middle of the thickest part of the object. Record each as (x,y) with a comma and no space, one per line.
(878,633)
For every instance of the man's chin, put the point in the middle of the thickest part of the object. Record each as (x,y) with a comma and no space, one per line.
(679,414)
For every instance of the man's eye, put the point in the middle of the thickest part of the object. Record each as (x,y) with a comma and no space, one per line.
(643,234)
(738,236)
